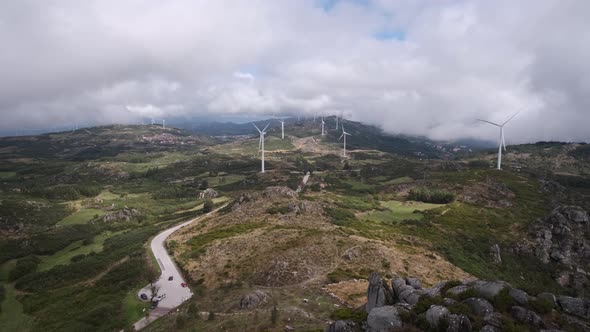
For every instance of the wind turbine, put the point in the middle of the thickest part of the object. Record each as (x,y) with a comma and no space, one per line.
(261,143)
(502,142)
(282,128)
(336,122)
(323,123)
(163,124)
(344,134)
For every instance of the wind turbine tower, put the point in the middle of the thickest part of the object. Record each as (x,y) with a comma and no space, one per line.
(282,128)
(323,123)
(163,124)
(502,142)
(261,144)
(344,134)
(336,122)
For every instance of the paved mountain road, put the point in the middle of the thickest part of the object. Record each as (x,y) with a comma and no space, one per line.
(175,294)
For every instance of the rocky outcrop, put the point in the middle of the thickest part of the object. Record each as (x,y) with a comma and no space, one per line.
(575,306)
(375,292)
(279,191)
(406,293)
(125,214)
(526,316)
(342,326)
(435,314)
(479,306)
(253,300)
(564,238)
(208,193)
(243,199)
(383,319)
(458,323)
(495,254)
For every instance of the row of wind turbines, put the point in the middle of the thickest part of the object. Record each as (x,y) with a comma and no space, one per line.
(262,134)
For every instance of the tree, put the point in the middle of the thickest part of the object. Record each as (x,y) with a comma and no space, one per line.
(204,184)
(208,206)
(211,316)
(151,275)
(274,315)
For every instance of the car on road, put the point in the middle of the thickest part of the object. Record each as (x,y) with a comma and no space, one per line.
(143,296)
(183,285)
(170,278)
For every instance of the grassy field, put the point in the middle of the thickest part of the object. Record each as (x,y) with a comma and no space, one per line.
(7,175)
(12,317)
(134,308)
(64,256)
(80,217)
(397,211)
(400,180)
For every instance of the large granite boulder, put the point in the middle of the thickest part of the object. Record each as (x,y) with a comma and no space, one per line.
(375,292)
(253,300)
(435,314)
(526,316)
(479,306)
(384,319)
(342,326)
(574,306)
(521,297)
(458,323)
(489,289)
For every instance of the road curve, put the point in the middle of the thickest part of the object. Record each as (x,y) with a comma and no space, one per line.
(175,294)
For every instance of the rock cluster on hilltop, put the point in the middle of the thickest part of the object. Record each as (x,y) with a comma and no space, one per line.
(454,306)
(125,214)
(208,193)
(563,237)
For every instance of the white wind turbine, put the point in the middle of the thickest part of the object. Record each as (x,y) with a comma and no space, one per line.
(502,142)
(344,134)
(163,124)
(282,128)
(336,122)
(261,143)
(323,123)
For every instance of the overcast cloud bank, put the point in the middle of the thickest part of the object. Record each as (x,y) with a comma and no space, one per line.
(415,67)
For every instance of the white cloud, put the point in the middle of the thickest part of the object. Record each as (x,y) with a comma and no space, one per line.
(458,60)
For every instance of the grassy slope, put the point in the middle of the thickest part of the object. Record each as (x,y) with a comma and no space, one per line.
(80,217)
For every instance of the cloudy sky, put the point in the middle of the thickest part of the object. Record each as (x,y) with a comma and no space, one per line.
(426,67)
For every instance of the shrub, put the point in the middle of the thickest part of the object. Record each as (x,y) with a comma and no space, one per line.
(541,306)
(431,196)
(208,206)
(358,316)
(2,295)
(211,316)
(23,267)
(282,209)
(502,301)
(425,302)
(340,216)
(274,315)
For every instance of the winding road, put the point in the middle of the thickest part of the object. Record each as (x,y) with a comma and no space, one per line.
(174,293)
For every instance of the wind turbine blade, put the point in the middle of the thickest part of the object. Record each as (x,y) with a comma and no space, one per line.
(495,124)
(256,127)
(503,141)
(510,118)
(266,126)
(259,143)
(341,136)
